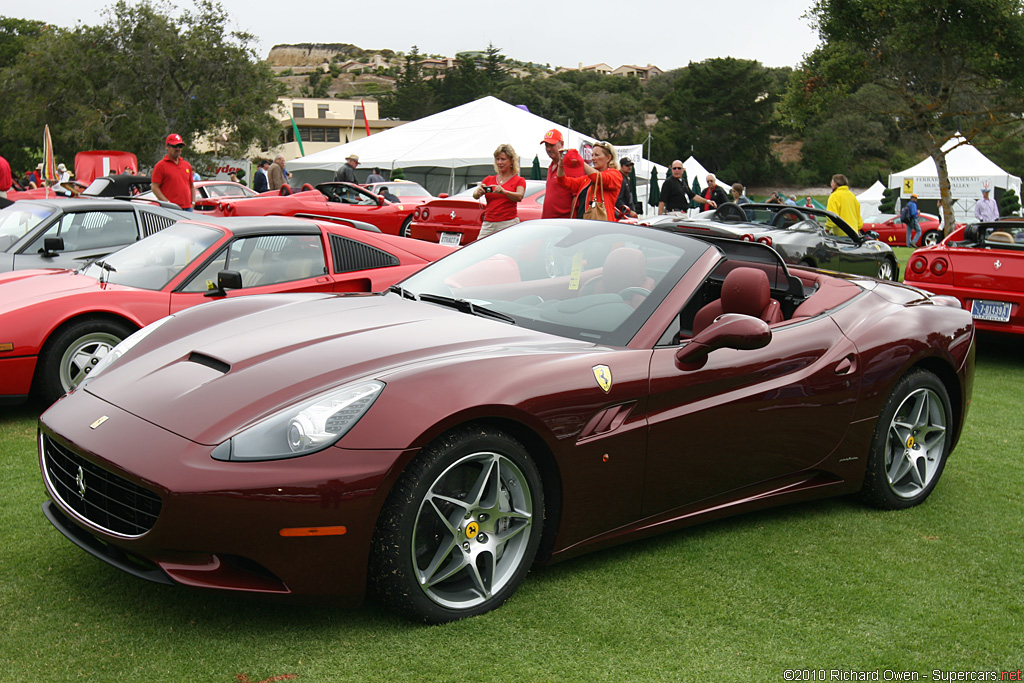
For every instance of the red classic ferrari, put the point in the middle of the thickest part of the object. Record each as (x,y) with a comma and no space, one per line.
(552,389)
(327,200)
(982,265)
(456,220)
(56,325)
(893,232)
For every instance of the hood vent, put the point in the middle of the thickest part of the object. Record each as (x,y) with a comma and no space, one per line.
(209,361)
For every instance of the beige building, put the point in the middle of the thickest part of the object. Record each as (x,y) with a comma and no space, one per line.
(325,123)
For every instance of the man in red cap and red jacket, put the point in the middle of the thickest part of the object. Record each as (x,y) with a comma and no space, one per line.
(172,176)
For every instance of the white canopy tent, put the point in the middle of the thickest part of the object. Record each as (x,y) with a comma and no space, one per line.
(969,171)
(870,199)
(449,150)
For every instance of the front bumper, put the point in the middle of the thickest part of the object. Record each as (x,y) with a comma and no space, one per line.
(220,525)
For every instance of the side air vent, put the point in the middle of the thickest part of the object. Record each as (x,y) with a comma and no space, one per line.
(350,255)
(153,223)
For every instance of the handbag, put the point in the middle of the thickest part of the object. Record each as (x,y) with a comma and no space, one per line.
(597,211)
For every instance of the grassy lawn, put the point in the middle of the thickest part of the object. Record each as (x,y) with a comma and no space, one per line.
(823,585)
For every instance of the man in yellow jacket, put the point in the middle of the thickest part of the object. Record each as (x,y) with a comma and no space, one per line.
(844,204)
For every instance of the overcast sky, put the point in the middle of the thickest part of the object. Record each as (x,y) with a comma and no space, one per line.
(666,34)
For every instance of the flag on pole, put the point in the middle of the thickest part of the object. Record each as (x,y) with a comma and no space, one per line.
(366,122)
(49,163)
(298,137)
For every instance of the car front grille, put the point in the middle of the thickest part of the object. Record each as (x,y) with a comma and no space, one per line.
(97,495)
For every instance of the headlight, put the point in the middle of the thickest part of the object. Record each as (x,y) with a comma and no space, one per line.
(124,347)
(304,428)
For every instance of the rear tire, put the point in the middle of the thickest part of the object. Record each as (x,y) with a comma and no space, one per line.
(931,238)
(911,443)
(71,353)
(406,230)
(460,529)
(888,269)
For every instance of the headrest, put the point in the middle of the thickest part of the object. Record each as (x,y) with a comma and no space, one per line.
(746,291)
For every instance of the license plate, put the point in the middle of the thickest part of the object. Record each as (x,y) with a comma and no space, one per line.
(996,311)
(455,238)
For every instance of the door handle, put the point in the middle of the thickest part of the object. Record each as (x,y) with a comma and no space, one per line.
(847,365)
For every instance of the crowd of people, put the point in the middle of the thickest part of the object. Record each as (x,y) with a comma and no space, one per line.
(599,188)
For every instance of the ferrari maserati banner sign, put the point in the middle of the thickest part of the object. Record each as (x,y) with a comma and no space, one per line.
(927,187)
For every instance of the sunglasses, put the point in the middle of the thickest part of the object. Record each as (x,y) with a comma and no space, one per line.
(176,146)
(677,168)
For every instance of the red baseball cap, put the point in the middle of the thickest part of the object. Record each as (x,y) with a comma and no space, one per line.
(175,139)
(553,136)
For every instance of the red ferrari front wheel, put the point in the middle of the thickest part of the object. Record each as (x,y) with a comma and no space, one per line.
(460,529)
(72,352)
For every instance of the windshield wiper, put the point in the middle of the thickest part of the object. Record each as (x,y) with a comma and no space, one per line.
(403,292)
(105,267)
(467,307)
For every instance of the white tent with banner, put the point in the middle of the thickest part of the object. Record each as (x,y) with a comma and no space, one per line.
(450,150)
(969,172)
(870,199)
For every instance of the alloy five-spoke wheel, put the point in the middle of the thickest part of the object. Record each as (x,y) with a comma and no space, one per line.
(461,527)
(911,443)
(467,543)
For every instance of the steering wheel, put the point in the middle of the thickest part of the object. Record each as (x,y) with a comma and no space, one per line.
(795,217)
(730,212)
(633,291)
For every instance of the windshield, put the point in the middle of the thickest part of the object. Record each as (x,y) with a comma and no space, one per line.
(18,219)
(590,280)
(153,262)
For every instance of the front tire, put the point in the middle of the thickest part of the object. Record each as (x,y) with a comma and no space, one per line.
(460,529)
(70,355)
(911,443)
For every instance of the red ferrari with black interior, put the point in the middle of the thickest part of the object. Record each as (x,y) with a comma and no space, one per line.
(982,265)
(407,191)
(457,219)
(435,440)
(57,325)
(327,200)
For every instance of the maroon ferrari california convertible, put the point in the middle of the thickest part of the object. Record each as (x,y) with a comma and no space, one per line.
(555,388)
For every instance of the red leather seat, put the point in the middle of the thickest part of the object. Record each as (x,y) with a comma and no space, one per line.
(746,291)
(624,267)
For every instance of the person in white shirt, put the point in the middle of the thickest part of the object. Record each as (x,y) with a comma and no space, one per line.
(986,209)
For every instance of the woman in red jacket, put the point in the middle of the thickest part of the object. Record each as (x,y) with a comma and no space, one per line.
(604,178)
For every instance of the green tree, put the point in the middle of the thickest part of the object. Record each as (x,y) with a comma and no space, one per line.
(413,97)
(138,77)
(15,37)
(722,111)
(944,66)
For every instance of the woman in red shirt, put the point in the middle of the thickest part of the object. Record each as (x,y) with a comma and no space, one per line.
(604,178)
(503,190)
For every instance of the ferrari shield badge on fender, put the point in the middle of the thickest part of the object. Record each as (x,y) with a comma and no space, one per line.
(603,375)
(98,422)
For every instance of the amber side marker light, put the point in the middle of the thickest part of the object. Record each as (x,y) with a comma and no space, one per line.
(314,531)
(7,346)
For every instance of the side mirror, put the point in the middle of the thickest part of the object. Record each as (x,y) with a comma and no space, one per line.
(380,199)
(52,245)
(443,195)
(226,279)
(729,331)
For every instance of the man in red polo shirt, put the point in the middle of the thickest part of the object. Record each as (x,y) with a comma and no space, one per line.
(557,198)
(172,176)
